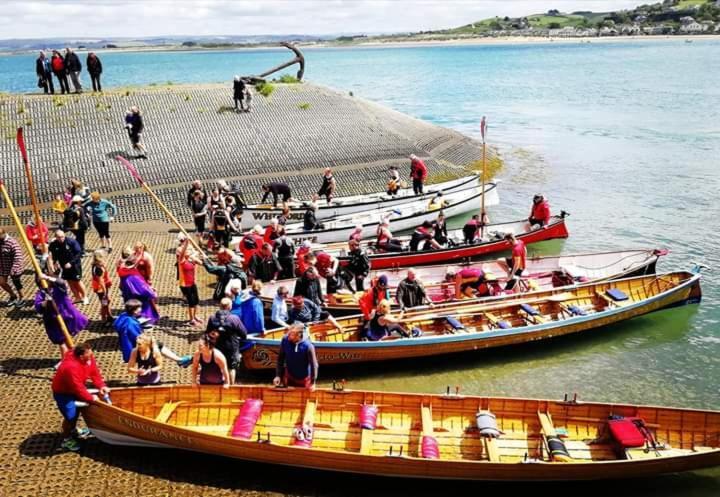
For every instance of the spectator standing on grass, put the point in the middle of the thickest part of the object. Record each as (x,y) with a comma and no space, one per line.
(94,67)
(43,69)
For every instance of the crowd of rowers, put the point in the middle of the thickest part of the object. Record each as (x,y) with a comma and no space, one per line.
(263,255)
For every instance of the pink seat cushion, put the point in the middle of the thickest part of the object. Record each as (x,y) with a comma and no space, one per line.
(247,418)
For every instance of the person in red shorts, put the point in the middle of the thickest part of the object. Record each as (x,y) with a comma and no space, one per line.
(517,261)
(68,387)
(297,364)
(186,262)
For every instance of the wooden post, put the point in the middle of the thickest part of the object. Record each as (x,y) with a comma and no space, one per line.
(134,173)
(35,263)
(31,189)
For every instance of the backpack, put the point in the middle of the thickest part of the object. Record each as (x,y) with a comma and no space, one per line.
(58,65)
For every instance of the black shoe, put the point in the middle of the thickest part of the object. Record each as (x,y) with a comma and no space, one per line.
(109,250)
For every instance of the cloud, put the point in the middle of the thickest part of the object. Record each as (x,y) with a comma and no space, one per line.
(136,18)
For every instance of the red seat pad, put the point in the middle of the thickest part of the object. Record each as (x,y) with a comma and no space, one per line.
(429,447)
(247,418)
(626,432)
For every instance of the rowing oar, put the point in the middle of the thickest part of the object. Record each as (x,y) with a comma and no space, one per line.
(36,265)
(483,215)
(31,189)
(135,174)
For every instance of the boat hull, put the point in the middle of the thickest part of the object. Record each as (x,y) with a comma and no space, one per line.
(264,353)
(338,229)
(341,206)
(118,426)
(463,253)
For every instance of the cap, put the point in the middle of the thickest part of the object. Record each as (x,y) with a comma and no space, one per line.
(306,244)
(383,280)
(77,198)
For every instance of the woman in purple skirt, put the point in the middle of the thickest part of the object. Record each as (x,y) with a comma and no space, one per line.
(134,286)
(75,320)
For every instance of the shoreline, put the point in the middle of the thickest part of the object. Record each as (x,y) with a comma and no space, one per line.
(408,43)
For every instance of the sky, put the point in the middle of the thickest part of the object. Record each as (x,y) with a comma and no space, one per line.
(137,18)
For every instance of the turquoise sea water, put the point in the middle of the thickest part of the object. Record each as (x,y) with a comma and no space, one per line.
(624,136)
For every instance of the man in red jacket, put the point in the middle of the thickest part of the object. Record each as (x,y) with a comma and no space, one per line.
(540,212)
(418,173)
(68,387)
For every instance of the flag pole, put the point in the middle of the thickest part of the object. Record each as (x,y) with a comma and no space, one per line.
(31,189)
(135,174)
(483,215)
(36,265)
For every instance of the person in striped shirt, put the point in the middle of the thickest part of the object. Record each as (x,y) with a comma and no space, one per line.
(11,267)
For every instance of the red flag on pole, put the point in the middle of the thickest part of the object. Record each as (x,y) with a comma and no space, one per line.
(133,172)
(21,144)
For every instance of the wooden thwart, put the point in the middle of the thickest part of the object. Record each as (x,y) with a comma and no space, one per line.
(167,410)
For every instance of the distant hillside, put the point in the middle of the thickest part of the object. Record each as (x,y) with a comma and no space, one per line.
(672,14)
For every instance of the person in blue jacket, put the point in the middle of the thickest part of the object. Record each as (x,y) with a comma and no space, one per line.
(251,310)
(129,328)
(297,364)
(102,212)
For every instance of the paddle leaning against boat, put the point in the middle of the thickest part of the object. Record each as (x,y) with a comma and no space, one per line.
(498,321)
(448,436)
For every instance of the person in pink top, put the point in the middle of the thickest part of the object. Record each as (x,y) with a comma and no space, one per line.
(516,263)
(469,282)
(540,212)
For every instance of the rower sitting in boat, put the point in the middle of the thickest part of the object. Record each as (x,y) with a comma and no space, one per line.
(540,212)
(306,311)
(385,241)
(517,262)
(469,282)
(297,364)
(423,234)
(383,323)
(438,202)
(356,233)
(440,229)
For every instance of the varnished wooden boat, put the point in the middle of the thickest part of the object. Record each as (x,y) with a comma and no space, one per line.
(404,217)
(499,321)
(414,435)
(585,268)
(457,253)
(262,214)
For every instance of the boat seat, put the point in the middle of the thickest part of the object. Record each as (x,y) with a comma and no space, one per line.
(428,443)
(167,411)
(532,315)
(503,325)
(556,449)
(303,432)
(617,295)
(616,301)
(368,423)
(573,310)
(454,323)
(247,418)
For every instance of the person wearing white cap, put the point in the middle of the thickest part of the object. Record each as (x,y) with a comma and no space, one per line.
(238,93)
(75,220)
(418,173)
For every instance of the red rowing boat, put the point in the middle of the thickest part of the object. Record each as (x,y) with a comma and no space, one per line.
(463,252)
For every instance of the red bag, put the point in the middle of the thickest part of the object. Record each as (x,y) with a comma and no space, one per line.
(627,432)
